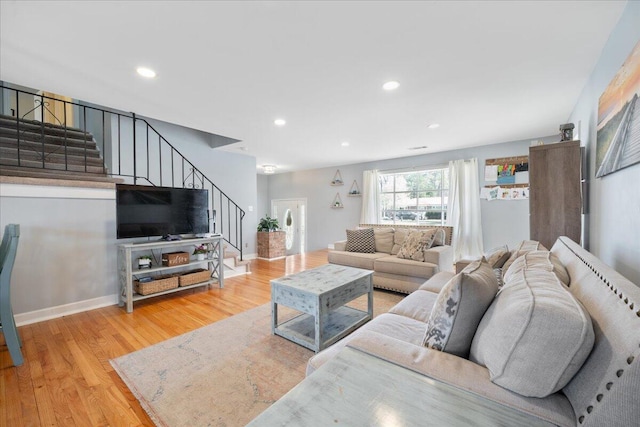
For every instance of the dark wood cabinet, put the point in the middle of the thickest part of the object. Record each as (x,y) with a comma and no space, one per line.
(555,195)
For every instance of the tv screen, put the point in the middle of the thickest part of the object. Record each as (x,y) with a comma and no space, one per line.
(143,211)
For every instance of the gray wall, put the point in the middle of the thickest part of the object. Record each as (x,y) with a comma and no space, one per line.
(614,200)
(263,203)
(503,222)
(67,249)
(234,174)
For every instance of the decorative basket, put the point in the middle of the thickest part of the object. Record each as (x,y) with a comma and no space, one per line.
(194,276)
(158,284)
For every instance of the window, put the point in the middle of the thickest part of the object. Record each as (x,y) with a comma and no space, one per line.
(418,197)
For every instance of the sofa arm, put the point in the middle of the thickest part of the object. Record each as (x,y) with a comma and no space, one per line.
(340,245)
(461,373)
(442,256)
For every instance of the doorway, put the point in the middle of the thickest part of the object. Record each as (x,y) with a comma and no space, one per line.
(292,218)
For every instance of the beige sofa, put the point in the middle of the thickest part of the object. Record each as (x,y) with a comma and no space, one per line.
(389,271)
(603,391)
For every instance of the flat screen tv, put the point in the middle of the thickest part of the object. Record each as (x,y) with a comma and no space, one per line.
(145,211)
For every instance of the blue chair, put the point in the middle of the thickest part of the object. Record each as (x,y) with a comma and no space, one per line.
(8,250)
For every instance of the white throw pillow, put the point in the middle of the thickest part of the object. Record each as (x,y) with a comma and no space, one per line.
(460,305)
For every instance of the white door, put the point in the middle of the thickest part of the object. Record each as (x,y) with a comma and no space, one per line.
(292,218)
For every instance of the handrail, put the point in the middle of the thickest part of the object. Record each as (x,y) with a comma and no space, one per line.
(119,138)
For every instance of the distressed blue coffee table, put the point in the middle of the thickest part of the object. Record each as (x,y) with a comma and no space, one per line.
(321,295)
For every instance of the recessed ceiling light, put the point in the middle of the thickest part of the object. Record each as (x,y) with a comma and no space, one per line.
(279,122)
(392,85)
(146,72)
(434,126)
(268,169)
(345,144)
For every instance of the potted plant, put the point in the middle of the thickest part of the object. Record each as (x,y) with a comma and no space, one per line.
(268,224)
(200,252)
(144,261)
(271,242)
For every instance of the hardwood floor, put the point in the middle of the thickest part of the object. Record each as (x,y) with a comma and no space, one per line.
(66,379)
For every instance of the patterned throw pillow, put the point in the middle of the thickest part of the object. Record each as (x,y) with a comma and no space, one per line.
(496,257)
(459,308)
(415,244)
(361,240)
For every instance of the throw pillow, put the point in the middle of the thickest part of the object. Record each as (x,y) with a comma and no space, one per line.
(539,260)
(440,238)
(361,240)
(384,239)
(524,247)
(415,244)
(496,257)
(459,308)
(535,335)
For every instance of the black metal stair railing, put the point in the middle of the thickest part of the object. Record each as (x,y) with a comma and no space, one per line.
(131,149)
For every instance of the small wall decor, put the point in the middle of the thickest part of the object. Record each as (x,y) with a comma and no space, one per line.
(354,191)
(618,110)
(506,171)
(337,202)
(337,178)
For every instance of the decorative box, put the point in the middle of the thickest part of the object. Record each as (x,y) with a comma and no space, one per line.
(175,258)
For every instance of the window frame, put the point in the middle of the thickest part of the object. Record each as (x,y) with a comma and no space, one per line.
(418,213)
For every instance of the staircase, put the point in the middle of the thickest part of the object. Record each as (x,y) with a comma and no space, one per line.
(30,148)
(233,266)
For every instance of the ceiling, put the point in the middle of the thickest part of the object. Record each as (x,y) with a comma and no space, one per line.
(486,71)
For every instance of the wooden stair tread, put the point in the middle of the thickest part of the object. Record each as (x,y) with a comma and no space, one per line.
(22,172)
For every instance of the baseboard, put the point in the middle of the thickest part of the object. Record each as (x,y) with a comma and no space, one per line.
(272,259)
(64,310)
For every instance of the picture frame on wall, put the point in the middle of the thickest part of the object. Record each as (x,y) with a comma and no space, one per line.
(618,126)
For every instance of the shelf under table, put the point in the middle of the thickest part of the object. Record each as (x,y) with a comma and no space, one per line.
(337,324)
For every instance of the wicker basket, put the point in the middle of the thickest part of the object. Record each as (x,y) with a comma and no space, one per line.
(194,276)
(158,284)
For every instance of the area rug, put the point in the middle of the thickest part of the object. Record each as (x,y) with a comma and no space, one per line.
(224,374)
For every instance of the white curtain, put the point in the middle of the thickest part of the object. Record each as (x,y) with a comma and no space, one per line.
(370,213)
(463,211)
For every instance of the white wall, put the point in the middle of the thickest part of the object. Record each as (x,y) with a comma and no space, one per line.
(614,200)
(503,222)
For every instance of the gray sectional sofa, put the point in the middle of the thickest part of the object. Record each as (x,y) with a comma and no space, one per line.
(389,271)
(574,354)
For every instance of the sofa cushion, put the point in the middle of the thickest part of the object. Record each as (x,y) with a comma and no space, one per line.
(384,239)
(544,260)
(417,305)
(415,244)
(354,259)
(398,239)
(496,257)
(361,240)
(459,308)
(404,267)
(437,282)
(535,335)
(524,247)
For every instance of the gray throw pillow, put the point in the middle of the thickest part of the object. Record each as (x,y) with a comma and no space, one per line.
(361,240)
(544,260)
(535,335)
(440,238)
(524,247)
(459,308)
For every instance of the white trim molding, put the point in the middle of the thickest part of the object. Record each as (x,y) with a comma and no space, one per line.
(64,310)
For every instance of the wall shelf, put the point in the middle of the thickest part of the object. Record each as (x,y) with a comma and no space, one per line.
(337,179)
(337,202)
(354,191)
